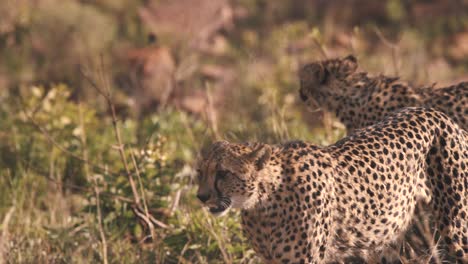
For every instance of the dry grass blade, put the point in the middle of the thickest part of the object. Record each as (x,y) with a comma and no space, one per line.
(140,212)
(320,47)
(226,255)
(211,115)
(175,202)
(428,236)
(4,234)
(392,46)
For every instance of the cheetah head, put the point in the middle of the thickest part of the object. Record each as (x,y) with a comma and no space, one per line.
(318,79)
(227,176)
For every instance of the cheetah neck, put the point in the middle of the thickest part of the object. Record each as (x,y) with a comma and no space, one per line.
(268,181)
(343,98)
(298,179)
(351,95)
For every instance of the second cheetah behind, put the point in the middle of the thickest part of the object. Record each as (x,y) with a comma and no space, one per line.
(359,100)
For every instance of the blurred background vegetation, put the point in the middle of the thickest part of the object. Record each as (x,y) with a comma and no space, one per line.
(173,76)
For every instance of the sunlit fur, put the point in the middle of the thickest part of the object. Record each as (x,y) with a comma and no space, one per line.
(302,203)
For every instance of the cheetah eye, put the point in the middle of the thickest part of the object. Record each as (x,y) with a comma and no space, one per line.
(325,76)
(221,175)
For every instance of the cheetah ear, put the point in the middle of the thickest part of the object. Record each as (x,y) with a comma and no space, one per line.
(220,144)
(349,65)
(260,156)
(312,74)
(216,146)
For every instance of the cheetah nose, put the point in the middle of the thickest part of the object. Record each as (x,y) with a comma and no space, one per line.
(203,197)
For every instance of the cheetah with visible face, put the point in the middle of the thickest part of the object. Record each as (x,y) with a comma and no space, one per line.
(359,100)
(302,203)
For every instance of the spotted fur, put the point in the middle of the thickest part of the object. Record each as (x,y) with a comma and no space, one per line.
(302,203)
(359,100)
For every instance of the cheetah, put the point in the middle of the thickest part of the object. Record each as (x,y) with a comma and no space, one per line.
(359,100)
(302,203)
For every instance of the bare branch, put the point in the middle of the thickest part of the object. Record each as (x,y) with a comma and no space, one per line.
(96,188)
(143,215)
(147,214)
(320,47)
(392,46)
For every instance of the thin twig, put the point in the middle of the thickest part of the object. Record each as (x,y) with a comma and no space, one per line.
(175,202)
(145,216)
(150,219)
(106,94)
(143,196)
(211,114)
(118,137)
(392,46)
(137,170)
(320,47)
(96,187)
(184,249)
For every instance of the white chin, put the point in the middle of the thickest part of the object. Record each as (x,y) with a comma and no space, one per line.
(219,213)
(313,109)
